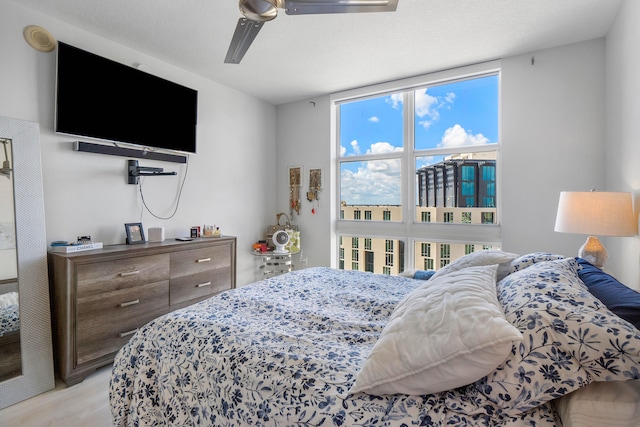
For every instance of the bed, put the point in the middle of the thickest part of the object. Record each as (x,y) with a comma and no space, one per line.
(493,339)
(9,314)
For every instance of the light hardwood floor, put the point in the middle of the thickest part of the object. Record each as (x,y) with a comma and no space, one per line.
(82,405)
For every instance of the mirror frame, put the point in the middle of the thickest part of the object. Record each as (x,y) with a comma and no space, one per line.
(33,285)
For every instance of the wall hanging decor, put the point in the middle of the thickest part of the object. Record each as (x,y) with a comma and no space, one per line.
(295,182)
(315,185)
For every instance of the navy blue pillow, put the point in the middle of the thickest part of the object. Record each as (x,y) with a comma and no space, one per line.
(423,274)
(619,298)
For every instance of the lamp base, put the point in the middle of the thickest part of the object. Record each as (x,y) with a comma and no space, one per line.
(594,252)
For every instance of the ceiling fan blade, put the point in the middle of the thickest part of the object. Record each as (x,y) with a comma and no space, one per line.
(308,7)
(246,31)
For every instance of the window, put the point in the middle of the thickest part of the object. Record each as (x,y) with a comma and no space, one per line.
(367,244)
(420,158)
(426,249)
(355,242)
(369,264)
(488,217)
(445,255)
(468,249)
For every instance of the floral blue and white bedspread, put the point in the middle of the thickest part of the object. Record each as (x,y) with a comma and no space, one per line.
(9,313)
(284,352)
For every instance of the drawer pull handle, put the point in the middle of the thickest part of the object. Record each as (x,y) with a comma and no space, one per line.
(131,332)
(204,259)
(126,304)
(202,285)
(130,273)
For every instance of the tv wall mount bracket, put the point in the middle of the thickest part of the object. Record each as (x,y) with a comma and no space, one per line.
(135,171)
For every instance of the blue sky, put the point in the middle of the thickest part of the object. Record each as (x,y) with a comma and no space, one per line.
(452,115)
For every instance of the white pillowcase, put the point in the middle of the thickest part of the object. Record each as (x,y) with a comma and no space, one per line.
(447,333)
(485,257)
(610,404)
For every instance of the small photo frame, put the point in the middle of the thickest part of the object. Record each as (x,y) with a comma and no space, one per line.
(135,233)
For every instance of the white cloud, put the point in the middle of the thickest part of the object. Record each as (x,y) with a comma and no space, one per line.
(343,150)
(395,100)
(374,119)
(375,182)
(382,147)
(457,136)
(355,147)
(428,106)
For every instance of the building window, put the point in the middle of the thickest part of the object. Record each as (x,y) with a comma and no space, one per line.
(369,264)
(355,255)
(388,260)
(356,214)
(354,266)
(428,264)
(388,246)
(341,214)
(488,217)
(367,215)
(355,242)
(386,270)
(367,244)
(426,249)
(441,135)
(468,248)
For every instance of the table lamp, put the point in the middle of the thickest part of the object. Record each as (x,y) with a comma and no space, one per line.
(596,213)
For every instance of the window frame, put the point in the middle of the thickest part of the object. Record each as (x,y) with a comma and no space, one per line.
(409,229)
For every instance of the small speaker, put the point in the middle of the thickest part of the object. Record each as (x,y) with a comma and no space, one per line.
(39,38)
(156,234)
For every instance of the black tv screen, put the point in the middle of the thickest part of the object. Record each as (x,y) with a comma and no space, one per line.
(100,98)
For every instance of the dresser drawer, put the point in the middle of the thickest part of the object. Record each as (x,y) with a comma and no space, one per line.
(185,263)
(121,305)
(199,285)
(99,277)
(92,343)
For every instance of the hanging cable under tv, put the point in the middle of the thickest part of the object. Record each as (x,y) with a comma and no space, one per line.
(135,171)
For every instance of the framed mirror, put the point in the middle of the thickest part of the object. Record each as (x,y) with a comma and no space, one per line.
(31,287)
(10,353)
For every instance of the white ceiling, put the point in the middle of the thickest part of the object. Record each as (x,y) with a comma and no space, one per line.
(299,57)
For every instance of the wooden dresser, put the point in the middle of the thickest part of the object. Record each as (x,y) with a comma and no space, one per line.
(101,297)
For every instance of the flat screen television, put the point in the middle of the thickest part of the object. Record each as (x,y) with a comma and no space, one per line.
(100,98)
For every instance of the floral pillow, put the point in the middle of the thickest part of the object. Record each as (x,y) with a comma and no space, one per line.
(528,260)
(570,339)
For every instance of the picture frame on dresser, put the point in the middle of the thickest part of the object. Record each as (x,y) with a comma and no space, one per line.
(135,233)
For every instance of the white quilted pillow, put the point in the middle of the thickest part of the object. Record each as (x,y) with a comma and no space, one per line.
(447,333)
(484,257)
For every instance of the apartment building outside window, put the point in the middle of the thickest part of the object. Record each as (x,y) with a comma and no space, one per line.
(433,140)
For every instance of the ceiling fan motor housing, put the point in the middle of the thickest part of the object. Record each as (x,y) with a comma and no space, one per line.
(260,10)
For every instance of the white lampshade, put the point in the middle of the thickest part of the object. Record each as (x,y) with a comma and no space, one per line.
(596,213)
(599,213)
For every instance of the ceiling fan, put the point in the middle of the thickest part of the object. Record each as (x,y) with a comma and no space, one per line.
(257,12)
